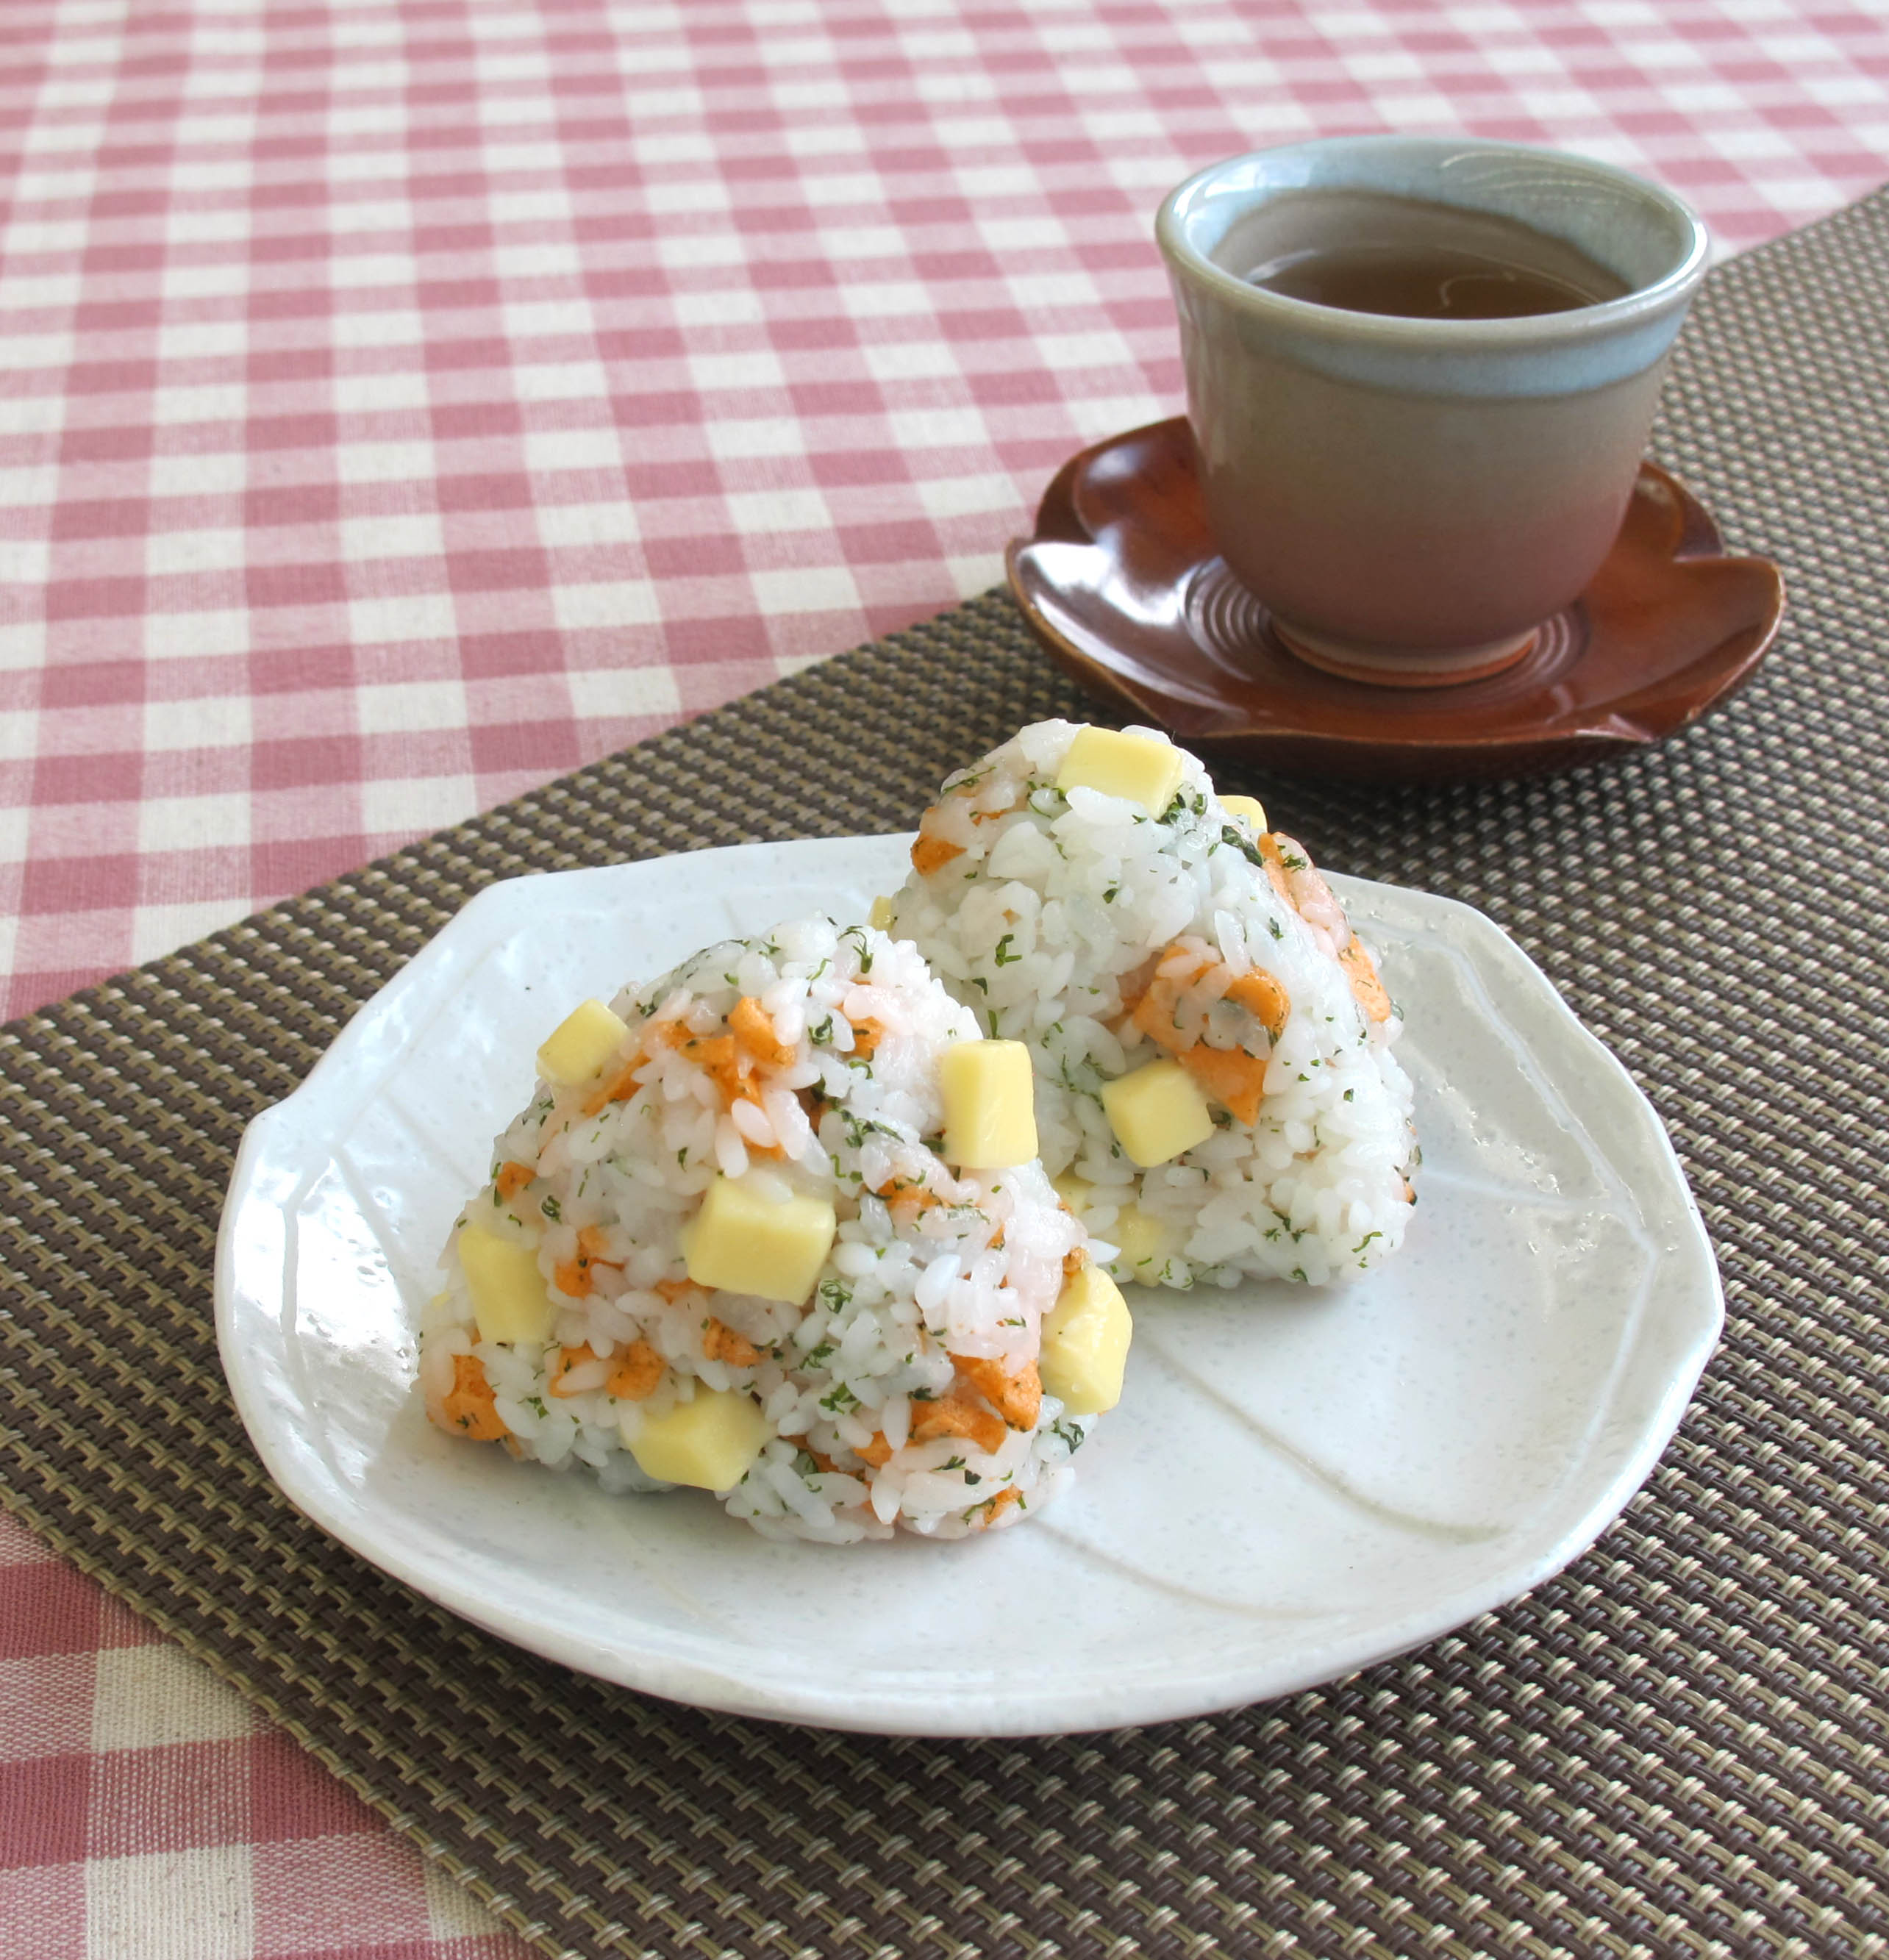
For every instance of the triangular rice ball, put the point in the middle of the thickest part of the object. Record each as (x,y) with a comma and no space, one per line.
(1217,1094)
(733,1241)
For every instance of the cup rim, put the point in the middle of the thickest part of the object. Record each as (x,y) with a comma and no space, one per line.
(1584,322)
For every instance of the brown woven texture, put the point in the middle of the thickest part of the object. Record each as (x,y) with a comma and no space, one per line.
(1675,1748)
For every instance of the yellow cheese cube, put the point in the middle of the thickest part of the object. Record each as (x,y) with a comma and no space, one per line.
(1143,1240)
(746,1239)
(511,1301)
(1249,807)
(880,918)
(990,1108)
(1085,1337)
(1139,767)
(587,1037)
(1157,1113)
(707,1443)
(1073,1191)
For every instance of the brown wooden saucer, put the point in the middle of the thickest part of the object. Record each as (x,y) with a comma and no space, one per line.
(1123,586)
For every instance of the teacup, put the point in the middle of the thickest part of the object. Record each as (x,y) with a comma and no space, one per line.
(1412,497)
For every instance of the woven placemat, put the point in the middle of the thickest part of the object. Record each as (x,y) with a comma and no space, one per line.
(1676,1748)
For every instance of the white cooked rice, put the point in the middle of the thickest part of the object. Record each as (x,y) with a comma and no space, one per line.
(1052,907)
(957,1267)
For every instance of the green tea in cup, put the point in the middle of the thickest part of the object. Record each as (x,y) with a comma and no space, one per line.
(1421,372)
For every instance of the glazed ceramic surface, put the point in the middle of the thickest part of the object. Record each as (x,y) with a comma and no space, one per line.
(1123,584)
(1296,1483)
(1413,495)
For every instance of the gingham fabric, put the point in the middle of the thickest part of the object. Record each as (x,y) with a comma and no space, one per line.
(148,1813)
(401,403)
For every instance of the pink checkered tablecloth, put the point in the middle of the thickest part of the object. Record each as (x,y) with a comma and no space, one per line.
(401,403)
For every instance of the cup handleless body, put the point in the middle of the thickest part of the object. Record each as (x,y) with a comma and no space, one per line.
(1415,496)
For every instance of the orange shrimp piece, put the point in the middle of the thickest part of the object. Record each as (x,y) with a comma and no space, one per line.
(573,1276)
(877,1452)
(617,1088)
(1264,998)
(821,1460)
(727,1065)
(995,1507)
(718,1058)
(721,1342)
(867,1035)
(568,1359)
(948,1416)
(637,1373)
(1153,1012)
(1155,1018)
(1017,1398)
(469,1408)
(1233,1078)
(673,1290)
(901,1192)
(1275,860)
(933,853)
(1366,989)
(754,1033)
(512,1179)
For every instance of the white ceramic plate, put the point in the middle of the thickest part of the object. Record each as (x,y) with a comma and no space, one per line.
(1296,1483)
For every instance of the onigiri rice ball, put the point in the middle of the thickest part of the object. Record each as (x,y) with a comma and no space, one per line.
(1216,1092)
(772,1227)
